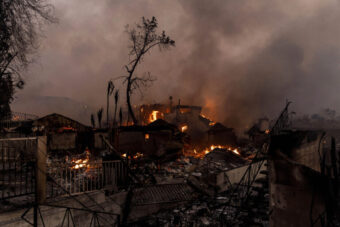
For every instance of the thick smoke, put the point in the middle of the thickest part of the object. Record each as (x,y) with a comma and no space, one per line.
(239,59)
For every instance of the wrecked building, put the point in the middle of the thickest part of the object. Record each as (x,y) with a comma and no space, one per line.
(157,139)
(300,192)
(219,134)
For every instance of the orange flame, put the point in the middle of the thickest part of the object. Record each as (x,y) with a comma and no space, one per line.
(154,116)
(81,163)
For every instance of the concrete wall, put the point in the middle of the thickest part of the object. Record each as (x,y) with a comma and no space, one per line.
(298,191)
(296,194)
(308,154)
(234,175)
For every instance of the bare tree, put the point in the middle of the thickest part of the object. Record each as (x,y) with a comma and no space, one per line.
(20,25)
(100,117)
(143,38)
(110,88)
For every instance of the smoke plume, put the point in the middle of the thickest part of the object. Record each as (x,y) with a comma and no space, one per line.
(240,60)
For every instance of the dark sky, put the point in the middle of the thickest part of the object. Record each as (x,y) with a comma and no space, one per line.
(238,59)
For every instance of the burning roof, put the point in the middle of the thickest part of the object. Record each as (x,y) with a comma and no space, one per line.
(226,157)
(154,126)
(218,127)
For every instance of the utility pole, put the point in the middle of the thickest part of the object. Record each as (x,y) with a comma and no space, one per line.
(40,176)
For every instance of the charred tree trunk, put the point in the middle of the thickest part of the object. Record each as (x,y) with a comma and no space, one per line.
(128,101)
(107,110)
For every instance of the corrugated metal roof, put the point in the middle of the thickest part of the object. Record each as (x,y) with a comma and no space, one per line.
(163,193)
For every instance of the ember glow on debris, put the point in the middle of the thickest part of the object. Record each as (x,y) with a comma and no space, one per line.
(135,156)
(267,131)
(184,128)
(201,154)
(138,155)
(81,163)
(147,136)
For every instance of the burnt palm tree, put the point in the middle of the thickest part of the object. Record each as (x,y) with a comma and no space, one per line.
(100,116)
(93,123)
(110,88)
(120,116)
(116,105)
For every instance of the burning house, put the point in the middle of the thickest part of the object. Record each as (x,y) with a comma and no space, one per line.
(63,133)
(219,134)
(201,131)
(157,139)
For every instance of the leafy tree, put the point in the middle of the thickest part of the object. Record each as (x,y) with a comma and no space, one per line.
(143,38)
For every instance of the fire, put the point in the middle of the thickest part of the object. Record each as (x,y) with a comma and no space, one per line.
(267,131)
(206,151)
(184,128)
(81,163)
(211,123)
(154,116)
(66,128)
(136,156)
(147,136)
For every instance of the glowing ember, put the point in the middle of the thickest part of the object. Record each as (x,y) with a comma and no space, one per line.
(236,151)
(184,128)
(267,131)
(147,136)
(81,163)
(138,155)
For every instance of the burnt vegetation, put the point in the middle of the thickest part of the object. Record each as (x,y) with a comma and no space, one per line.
(20,26)
(143,38)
